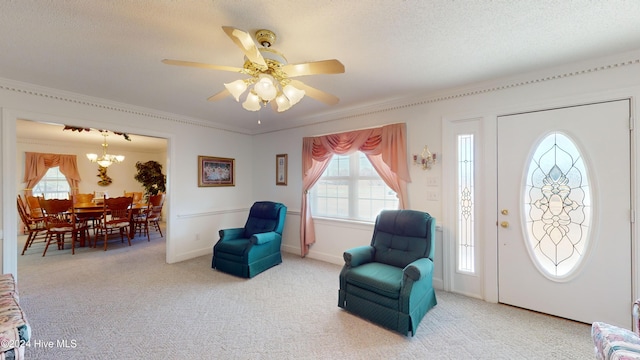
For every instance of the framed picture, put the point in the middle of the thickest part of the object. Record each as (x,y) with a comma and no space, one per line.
(281,169)
(216,171)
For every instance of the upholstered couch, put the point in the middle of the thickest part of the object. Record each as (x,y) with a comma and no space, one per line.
(15,332)
(615,343)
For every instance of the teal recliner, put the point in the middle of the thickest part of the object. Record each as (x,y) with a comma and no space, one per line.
(250,250)
(390,281)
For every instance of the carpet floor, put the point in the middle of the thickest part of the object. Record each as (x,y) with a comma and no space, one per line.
(127,303)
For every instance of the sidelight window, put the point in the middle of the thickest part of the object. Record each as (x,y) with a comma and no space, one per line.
(466,204)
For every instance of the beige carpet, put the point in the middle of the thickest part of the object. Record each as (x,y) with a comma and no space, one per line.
(126,303)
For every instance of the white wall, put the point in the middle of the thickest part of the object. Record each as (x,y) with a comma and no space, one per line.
(601,79)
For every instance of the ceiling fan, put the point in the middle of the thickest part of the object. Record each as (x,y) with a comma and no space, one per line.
(271,77)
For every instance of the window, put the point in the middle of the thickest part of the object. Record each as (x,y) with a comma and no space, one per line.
(466,204)
(53,185)
(557,206)
(350,188)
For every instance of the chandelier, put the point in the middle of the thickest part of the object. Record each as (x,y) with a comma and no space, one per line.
(266,84)
(106,159)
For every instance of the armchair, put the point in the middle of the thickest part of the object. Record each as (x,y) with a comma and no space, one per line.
(390,281)
(250,250)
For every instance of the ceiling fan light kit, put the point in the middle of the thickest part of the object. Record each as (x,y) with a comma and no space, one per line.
(270,75)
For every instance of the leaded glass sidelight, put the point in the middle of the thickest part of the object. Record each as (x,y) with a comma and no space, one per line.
(465,238)
(557,206)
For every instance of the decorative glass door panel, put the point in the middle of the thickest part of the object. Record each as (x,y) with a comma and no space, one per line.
(557,206)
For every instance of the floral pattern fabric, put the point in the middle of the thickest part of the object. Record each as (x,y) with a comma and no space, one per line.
(14,328)
(614,343)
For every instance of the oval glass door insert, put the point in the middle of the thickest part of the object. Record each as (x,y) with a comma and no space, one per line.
(557,207)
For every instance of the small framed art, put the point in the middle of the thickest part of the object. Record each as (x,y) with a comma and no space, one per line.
(216,171)
(281,169)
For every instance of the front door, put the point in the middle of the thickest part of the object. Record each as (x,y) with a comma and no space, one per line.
(564,210)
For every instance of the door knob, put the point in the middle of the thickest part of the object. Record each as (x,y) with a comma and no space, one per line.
(505,212)
(504,224)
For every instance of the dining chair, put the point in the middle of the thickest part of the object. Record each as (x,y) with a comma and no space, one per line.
(86,199)
(60,219)
(32,227)
(136,195)
(151,215)
(116,216)
(83,198)
(34,206)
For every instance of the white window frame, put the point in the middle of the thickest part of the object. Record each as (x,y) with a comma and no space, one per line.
(352,179)
(463,282)
(53,175)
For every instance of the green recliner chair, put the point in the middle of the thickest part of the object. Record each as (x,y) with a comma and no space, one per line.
(390,281)
(250,250)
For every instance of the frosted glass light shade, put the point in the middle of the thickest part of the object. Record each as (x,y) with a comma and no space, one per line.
(265,88)
(293,94)
(236,88)
(252,103)
(92,157)
(104,163)
(283,103)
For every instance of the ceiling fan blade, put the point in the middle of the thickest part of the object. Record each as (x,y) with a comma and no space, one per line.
(315,93)
(332,66)
(246,44)
(219,96)
(201,65)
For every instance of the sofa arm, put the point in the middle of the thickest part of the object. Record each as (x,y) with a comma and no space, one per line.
(635,312)
(612,342)
(263,238)
(230,234)
(358,256)
(419,268)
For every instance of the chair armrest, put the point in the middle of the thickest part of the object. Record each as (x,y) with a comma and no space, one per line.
(419,268)
(635,312)
(358,256)
(230,234)
(263,238)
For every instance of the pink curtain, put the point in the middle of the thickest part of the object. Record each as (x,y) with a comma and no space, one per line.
(385,147)
(37,164)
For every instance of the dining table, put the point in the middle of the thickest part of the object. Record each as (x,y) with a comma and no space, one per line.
(93,211)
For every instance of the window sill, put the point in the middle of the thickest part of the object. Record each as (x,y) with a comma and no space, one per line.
(356,224)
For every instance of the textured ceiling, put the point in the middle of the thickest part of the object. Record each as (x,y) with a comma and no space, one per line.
(391,49)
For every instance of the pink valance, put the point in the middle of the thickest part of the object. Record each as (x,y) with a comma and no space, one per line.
(37,164)
(386,149)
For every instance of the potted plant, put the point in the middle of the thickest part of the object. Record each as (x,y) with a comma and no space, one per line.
(151,177)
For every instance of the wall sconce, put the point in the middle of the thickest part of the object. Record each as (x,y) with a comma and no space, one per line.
(426,159)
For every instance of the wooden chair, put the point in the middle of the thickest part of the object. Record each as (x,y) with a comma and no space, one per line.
(32,226)
(86,198)
(34,206)
(60,219)
(136,195)
(116,215)
(83,198)
(151,215)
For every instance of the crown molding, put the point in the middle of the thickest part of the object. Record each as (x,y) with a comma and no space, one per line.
(532,78)
(103,104)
